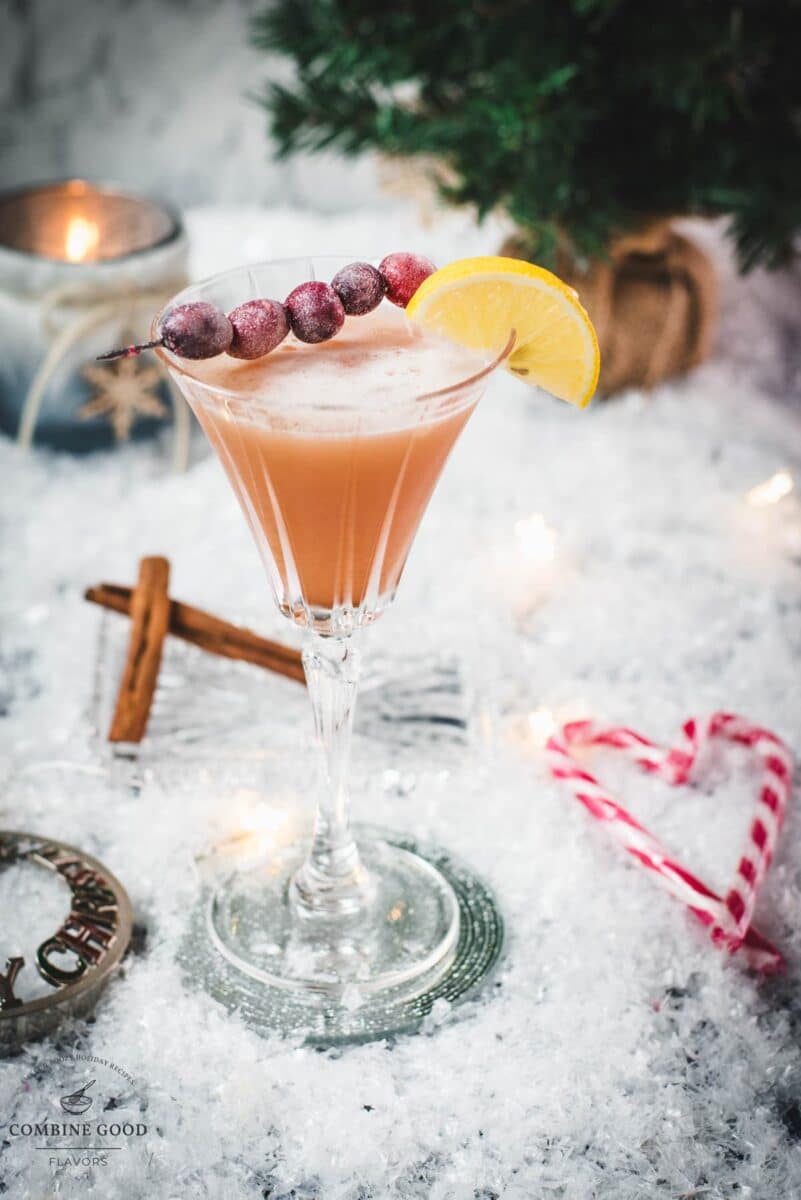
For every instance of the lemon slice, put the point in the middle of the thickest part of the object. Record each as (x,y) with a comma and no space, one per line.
(479,301)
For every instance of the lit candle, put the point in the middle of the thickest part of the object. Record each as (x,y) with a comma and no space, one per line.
(75,221)
(82,268)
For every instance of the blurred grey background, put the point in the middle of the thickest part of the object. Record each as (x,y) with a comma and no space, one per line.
(155,95)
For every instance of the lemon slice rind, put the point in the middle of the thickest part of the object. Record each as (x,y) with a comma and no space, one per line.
(478,301)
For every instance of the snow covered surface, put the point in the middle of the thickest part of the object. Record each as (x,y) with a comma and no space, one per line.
(618,1055)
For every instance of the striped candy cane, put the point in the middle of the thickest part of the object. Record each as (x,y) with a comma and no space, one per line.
(727,919)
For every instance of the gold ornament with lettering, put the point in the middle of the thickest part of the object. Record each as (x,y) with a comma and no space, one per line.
(79,957)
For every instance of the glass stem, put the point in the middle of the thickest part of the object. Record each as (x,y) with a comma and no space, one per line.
(332,881)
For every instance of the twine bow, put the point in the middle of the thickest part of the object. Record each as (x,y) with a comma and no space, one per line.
(91,314)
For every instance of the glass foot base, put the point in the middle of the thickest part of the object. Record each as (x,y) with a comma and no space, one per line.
(434,933)
(404,931)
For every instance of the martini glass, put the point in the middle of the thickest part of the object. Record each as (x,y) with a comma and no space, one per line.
(333,451)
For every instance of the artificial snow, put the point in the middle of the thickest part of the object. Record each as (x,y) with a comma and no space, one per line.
(617,1054)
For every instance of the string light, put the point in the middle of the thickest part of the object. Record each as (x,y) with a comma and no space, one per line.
(771,491)
(531,730)
(521,568)
(541,724)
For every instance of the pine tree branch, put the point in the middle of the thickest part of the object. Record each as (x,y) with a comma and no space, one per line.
(582,116)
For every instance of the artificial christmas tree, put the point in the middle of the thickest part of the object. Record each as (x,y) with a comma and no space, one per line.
(589,122)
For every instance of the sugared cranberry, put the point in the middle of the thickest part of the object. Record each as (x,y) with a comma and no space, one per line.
(196,330)
(315,312)
(359,287)
(403,274)
(259,326)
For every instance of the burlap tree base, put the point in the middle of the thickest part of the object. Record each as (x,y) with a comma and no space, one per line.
(653,303)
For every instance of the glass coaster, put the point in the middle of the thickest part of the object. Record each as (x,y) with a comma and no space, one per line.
(270,1011)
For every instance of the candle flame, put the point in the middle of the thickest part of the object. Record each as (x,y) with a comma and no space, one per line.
(81,240)
(536,538)
(771,491)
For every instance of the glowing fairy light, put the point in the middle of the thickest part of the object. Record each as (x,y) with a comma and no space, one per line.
(530,731)
(536,539)
(256,827)
(521,568)
(81,239)
(771,491)
(541,724)
(261,827)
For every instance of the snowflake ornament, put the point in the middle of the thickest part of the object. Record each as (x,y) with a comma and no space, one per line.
(123,392)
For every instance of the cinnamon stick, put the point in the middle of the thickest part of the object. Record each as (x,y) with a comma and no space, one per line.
(150,615)
(201,629)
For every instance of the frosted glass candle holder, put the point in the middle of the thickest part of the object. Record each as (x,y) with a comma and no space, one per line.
(83,267)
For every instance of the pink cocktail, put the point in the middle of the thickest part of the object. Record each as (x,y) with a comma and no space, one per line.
(333,451)
(334,490)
